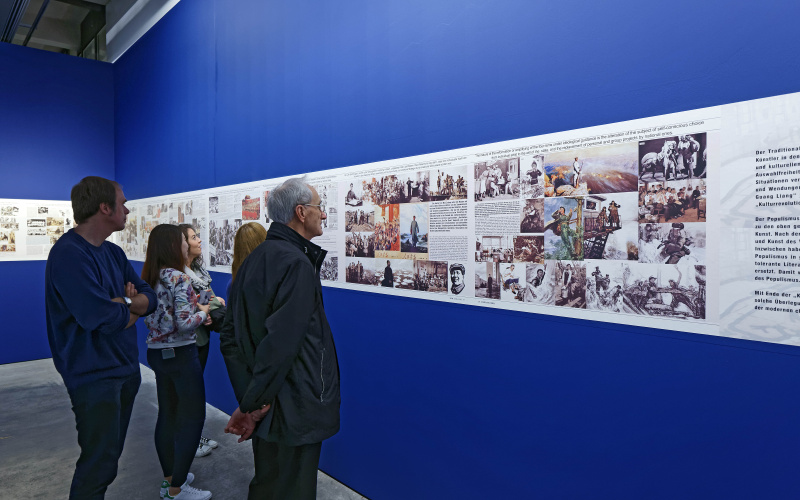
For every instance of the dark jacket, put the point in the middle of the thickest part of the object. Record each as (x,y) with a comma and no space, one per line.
(277,342)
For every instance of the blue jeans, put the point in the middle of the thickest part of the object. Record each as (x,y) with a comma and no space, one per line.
(102,414)
(181,409)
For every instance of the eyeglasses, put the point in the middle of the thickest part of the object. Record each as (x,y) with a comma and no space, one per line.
(310,205)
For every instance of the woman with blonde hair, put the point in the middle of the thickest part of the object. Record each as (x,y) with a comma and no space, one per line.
(247,238)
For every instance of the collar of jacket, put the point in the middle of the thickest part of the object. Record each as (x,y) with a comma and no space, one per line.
(315,253)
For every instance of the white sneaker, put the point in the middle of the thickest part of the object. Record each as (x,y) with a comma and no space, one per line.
(208,442)
(165,484)
(189,493)
(202,450)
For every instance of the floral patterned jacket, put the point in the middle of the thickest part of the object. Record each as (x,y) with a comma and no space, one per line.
(176,316)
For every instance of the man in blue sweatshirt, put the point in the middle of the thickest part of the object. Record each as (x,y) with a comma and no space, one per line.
(93,297)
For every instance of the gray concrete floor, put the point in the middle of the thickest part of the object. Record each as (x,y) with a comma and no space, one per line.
(39,444)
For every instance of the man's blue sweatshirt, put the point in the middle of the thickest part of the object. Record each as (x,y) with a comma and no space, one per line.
(86,330)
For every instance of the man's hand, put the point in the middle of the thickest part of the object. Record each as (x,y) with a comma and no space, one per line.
(130,290)
(244,424)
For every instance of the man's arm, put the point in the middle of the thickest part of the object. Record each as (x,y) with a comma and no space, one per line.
(238,371)
(286,328)
(143,301)
(76,280)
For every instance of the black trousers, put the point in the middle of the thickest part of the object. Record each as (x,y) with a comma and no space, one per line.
(284,472)
(181,409)
(102,414)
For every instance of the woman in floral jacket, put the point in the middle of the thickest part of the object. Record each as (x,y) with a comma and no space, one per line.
(172,354)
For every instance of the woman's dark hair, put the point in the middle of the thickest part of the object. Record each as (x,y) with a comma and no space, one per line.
(163,250)
(198,261)
(89,194)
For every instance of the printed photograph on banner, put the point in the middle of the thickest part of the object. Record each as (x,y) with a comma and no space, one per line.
(563,229)
(604,169)
(220,240)
(264,212)
(610,227)
(329,271)
(417,186)
(529,249)
(672,243)
(532,176)
(251,208)
(354,195)
(532,216)
(9,210)
(430,276)
(8,241)
(387,228)
(396,273)
(359,244)
(540,283)
(11,223)
(458,278)
(494,248)
(386,190)
(487,280)
(677,201)
(512,278)
(361,271)
(674,291)
(449,183)
(414,228)
(570,284)
(605,286)
(673,158)
(359,220)
(497,180)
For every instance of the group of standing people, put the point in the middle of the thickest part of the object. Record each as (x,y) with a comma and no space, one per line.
(271,331)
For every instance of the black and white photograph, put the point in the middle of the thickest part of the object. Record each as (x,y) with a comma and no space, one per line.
(42,210)
(359,244)
(449,183)
(532,216)
(672,243)
(458,277)
(605,286)
(330,268)
(570,284)
(532,176)
(494,248)
(353,194)
(674,291)
(487,280)
(430,276)
(497,180)
(213,205)
(37,222)
(220,240)
(361,271)
(400,271)
(37,231)
(359,220)
(673,158)
(540,283)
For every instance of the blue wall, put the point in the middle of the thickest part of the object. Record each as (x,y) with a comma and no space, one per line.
(57,127)
(447,401)
(439,400)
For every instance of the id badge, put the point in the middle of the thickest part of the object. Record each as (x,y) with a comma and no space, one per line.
(168,353)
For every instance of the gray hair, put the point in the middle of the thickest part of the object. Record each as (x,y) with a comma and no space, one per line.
(284,198)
